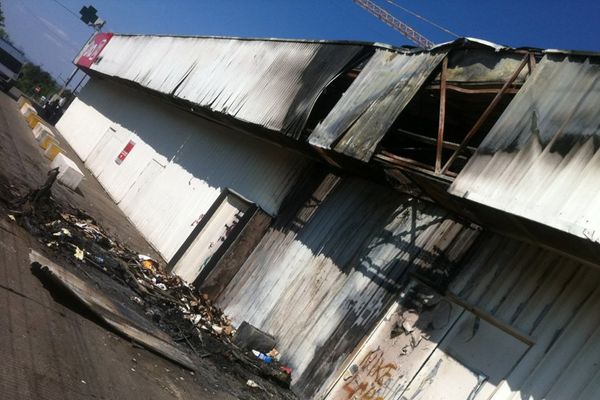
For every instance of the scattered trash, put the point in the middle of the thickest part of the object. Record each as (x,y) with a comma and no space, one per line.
(148,263)
(172,305)
(274,354)
(217,329)
(167,299)
(137,300)
(262,356)
(79,254)
(228,330)
(287,370)
(62,232)
(252,384)
(98,259)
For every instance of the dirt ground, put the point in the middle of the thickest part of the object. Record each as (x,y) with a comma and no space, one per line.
(53,348)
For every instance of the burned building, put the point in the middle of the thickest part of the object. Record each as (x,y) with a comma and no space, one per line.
(406,223)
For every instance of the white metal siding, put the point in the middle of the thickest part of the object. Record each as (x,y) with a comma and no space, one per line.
(82,127)
(552,299)
(191,160)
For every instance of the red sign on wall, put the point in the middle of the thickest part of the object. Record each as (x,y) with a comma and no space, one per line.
(123,154)
(92,49)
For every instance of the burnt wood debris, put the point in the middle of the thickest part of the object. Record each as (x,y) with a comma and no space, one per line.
(146,304)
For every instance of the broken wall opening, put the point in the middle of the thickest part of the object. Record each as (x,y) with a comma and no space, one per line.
(452,113)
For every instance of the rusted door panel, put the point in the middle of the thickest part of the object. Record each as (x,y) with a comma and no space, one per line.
(397,348)
(429,348)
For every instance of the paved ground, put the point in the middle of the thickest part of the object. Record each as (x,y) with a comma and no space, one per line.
(48,347)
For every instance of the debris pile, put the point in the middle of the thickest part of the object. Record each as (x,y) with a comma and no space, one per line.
(77,236)
(176,307)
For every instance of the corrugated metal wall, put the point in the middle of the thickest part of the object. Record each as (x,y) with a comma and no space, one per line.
(179,164)
(520,322)
(322,280)
(553,300)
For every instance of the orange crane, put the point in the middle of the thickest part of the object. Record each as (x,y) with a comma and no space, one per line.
(395,23)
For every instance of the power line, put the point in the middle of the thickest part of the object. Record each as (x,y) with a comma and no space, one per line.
(421,18)
(67,8)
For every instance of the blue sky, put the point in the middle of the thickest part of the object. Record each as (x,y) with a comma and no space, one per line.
(51,36)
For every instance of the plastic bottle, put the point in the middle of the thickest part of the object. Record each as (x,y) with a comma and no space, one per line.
(262,356)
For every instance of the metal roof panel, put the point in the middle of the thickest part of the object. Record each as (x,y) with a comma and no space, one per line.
(269,83)
(541,160)
(368,109)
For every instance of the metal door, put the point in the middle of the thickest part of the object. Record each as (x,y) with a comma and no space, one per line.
(103,154)
(225,215)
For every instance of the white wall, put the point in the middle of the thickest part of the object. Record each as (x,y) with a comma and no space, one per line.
(179,164)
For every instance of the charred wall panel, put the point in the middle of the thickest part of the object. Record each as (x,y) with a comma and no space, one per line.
(235,256)
(321,281)
(368,109)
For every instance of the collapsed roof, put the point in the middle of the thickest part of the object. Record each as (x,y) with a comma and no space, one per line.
(513,130)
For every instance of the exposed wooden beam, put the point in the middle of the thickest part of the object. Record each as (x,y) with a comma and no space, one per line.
(532,63)
(486,113)
(461,89)
(430,140)
(442,117)
(392,159)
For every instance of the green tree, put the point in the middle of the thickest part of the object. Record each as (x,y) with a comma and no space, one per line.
(33,76)
(3,33)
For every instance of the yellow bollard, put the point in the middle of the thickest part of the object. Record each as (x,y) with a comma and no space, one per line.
(33,119)
(40,129)
(22,101)
(47,141)
(52,151)
(27,109)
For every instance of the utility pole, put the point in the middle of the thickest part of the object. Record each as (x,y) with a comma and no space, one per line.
(89,17)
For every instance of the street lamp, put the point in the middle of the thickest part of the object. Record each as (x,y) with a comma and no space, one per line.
(90,18)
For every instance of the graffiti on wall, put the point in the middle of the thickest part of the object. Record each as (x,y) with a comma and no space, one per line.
(371,377)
